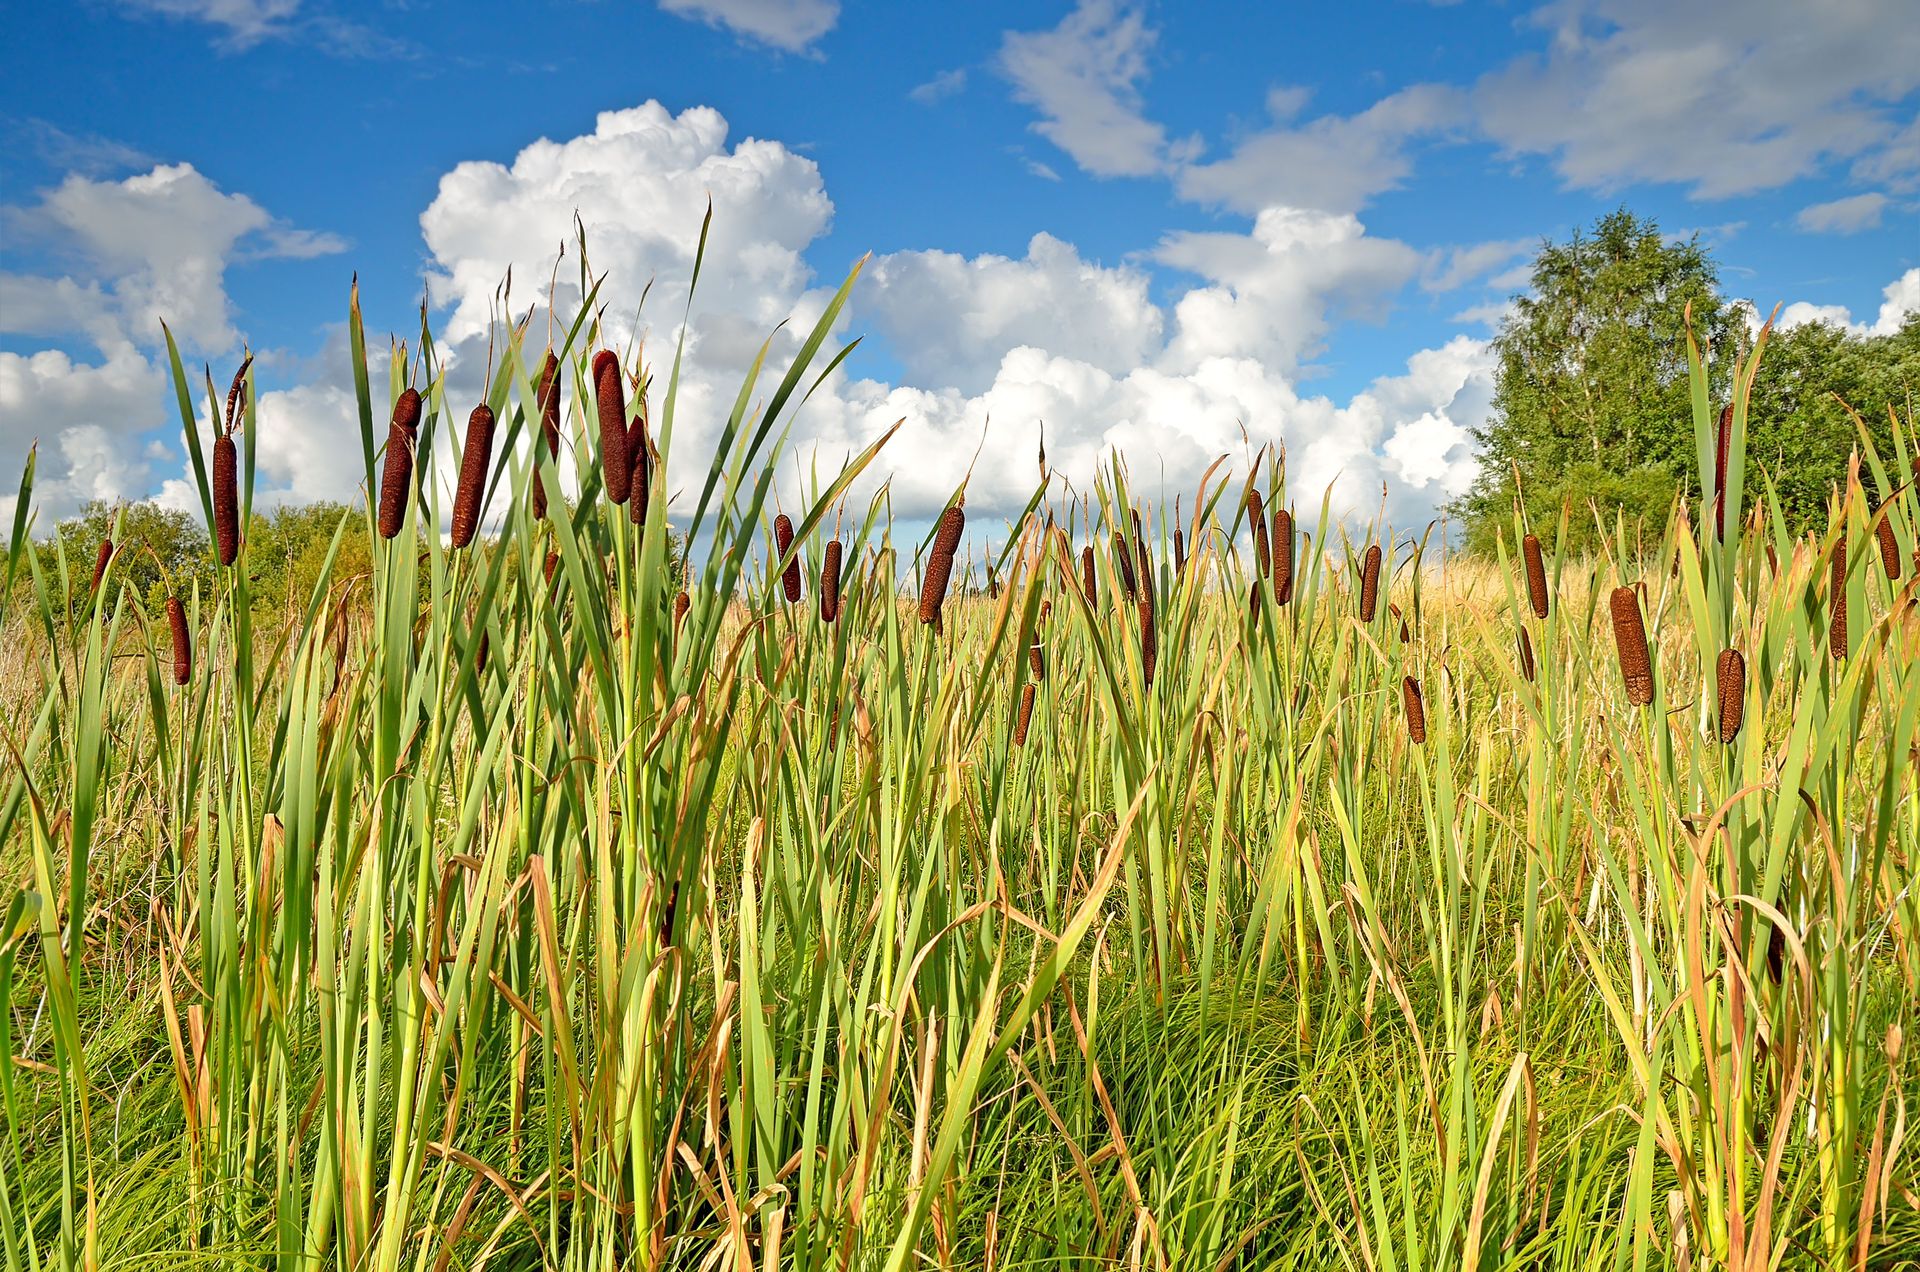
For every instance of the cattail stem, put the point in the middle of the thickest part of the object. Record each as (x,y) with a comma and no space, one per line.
(475,460)
(1536,575)
(946,542)
(396,474)
(1722,443)
(1630,644)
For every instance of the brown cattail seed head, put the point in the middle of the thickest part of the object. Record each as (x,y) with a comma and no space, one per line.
(475,459)
(182,641)
(100,559)
(946,542)
(1255,592)
(1526,656)
(1416,710)
(1025,718)
(640,468)
(1731,674)
(681,604)
(1536,575)
(783,543)
(1257,515)
(226,499)
(610,399)
(1179,552)
(1837,601)
(547,397)
(830,583)
(480,651)
(1370,584)
(1087,582)
(1889,545)
(1282,548)
(1630,643)
(396,475)
(553,563)
(1123,561)
(1037,660)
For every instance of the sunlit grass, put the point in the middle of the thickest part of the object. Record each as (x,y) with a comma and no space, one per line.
(753,940)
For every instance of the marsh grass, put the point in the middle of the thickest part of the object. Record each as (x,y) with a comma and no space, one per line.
(686,930)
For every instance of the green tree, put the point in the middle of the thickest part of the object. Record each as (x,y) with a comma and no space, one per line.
(1801,430)
(156,550)
(1590,401)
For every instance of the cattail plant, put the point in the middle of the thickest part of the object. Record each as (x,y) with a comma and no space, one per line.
(610,399)
(1416,710)
(783,549)
(1123,562)
(1179,552)
(639,468)
(1722,441)
(475,459)
(666,914)
(1730,673)
(396,475)
(1087,581)
(830,583)
(1526,656)
(946,542)
(1370,583)
(1025,717)
(547,398)
(1536,575)
(1630,643)
(1282,547)
(226,472)
(100,559)
(1837,601)
(1889,546)
(182,641)
(1257,515)
(1149,639)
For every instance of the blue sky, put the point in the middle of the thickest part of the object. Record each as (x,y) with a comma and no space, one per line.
(1295,221)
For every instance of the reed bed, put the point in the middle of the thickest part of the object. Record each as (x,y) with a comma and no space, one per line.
(551,899)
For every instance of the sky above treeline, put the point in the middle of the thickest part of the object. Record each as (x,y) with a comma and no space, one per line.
(1178,230)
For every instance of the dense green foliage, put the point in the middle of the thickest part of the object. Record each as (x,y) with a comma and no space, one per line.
(1591,405)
